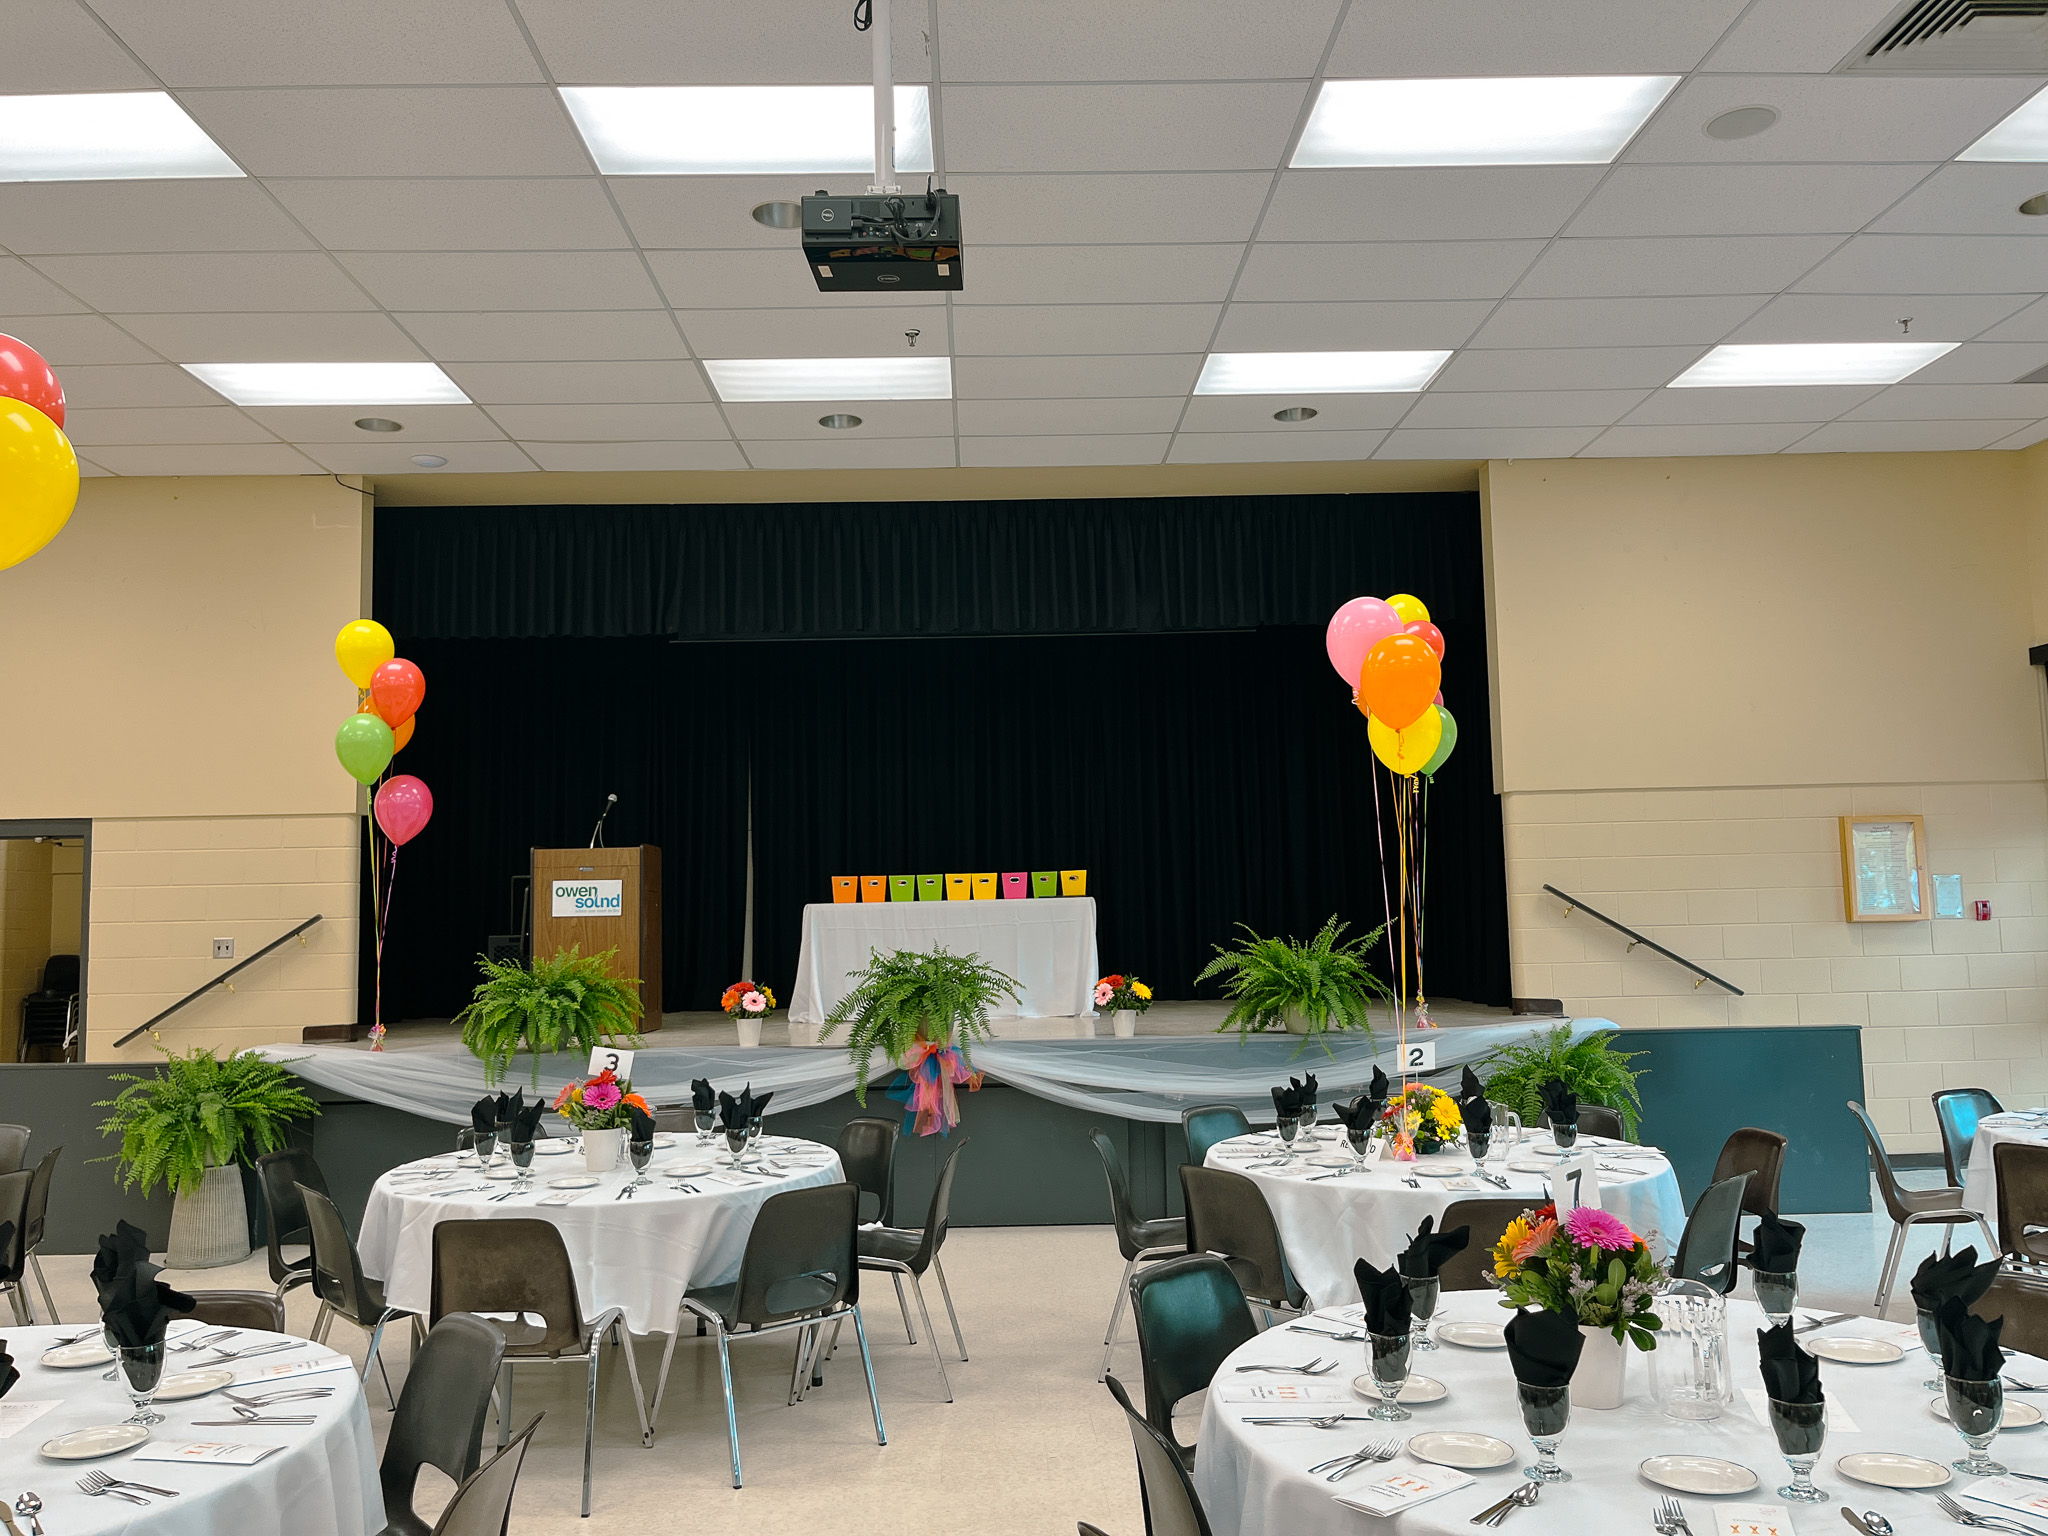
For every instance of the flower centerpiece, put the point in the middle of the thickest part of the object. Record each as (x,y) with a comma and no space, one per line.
(1126,997)
(1422,1120)
(1591,1267)
(747,1004)
(597,1107)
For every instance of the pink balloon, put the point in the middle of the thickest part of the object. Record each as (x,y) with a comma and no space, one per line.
(1355,629)
(1439,705)
(404,806)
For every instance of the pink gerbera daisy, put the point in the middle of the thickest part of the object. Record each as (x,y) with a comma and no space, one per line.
(754,1002)
(1592,1227)
(601,1096)
(1104,994)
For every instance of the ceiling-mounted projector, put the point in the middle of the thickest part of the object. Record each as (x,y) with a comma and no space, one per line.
(893,242)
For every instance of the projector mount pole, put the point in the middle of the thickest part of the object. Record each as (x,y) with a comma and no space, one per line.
(885,100)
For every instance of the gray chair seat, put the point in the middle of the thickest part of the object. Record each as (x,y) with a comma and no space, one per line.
(895,1243)
(1161,1232)
(798,1293)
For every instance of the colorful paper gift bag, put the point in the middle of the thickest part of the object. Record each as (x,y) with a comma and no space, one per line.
(1073,882)
(931,887)
(1045,882)
(903,888)
(845,888)
(1014,888)
(958,887)
(985,887)
(874,887)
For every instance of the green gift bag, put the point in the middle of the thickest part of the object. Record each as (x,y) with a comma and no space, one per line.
(1045,882)
(903,887)
(931,887)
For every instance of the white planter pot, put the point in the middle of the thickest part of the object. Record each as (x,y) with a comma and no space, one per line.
(1601,1378)
(1126,1022)
(602,1149)
(750,1033)
(210,1228)
(1294,1021)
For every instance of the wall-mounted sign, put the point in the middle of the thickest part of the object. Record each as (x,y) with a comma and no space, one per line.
(1883,875)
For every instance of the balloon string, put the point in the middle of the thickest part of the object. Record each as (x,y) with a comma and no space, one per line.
(1386,899)
(383,920)
(1421,892)
(1401,786)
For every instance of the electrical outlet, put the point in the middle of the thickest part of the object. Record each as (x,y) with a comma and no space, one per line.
(223,949)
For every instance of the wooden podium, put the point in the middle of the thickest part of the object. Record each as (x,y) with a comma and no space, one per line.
(603,898)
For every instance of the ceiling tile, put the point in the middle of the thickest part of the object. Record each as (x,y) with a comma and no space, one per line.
(395,458)
(23,291)
(1523,408)
(1416,269)
(116,384)
(2030,324)
(690,213)
(764,419)
(55,45)
(766,279)
(543,383)
(1685,442)
(68,339)
(1066,330)
(1743,199)
(1102,274)
(274,338)
(615,456)
(1933,264)
(875,453)
(337,424)
(866,332)
(311,42)
(1272,448)
(137,426)
(1904,436)
(1117,448)
(394,131)
(611,423)
(452,215)
(1838,118)
(2026,437)
(1417,325)
(49,217)
(1985,362)
(1080,40)
(1725,407)
(1797,36)
(1615,322)
(997,418)
(218,280)
(1955,402)
(1650,267)
(1566,368)
(206,459)
(1334,413)
(764,42)
(1874,317)
(1179,207)
(1970,199)
(1459,202)
(557,280)
(1058,128)
(498,336)
(1485,442)
(1505,37)
(1015,378)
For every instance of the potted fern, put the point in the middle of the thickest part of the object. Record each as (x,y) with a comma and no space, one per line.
(923,1011)
(1591,1067)
(1304,988)
(190,1126)
(572,1002)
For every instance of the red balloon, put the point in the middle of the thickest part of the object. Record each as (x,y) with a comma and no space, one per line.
(397,689)
(1431,635)
(24,376)
(1400,676)
(404,805)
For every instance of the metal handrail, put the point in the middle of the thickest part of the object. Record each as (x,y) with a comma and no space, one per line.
(149,1025)
(1701,973)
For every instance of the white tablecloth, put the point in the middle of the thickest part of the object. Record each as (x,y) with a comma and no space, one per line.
(322,1483)
(1254,1481)
(639,1254)
(1980,1179)
(1327,1225)
(1046,946)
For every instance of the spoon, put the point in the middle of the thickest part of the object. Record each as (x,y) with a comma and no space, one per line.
(30,1505)
(1877,1523)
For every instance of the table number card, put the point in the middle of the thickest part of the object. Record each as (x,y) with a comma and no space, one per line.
(619,1063)
(1575,1182)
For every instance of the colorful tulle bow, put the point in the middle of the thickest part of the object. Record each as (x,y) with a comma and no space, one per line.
(930,1072)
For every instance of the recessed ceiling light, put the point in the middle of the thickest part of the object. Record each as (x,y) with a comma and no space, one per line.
(2022,136)
(1569,120)
(839,421)
(1742,123)
(2035,205)
(428,460)
(1827,362)
(104,136)
(832,378)
(779,215)
(330,383)
(1317,373)
(739,130)
(379,424)
(1296,413)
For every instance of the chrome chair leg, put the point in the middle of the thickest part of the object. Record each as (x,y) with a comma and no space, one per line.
(19,1299)
(867,1365)
(1887,1273)
(732,1418)
(37,1265)
(946,1292)
(798,1374)
(897,1276)
(938,1358)
(374,1356)
(590,1423)
(504,1405)
(1116,1316)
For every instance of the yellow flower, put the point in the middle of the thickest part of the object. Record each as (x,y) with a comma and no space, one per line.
(1142,990)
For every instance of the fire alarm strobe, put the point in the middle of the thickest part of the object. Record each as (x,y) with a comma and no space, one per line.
(883,242)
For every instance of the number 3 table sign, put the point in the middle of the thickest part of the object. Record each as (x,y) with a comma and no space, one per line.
(619,1063)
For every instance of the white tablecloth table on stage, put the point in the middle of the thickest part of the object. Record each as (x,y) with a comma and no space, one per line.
(1255,1480)
(1328,1224)
(1980,1180)
(323,1482)
(1046,945)
(639,1254)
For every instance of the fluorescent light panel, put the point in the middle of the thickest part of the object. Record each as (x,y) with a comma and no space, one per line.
(2023,136)
(1827,362)
(329,383)
(104,136)
(831,378)
(739,130)
(1318,373)
(1565,120)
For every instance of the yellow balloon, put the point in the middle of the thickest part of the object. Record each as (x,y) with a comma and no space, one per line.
(1409,608)
(1407,750)
(362,647)
(38,481)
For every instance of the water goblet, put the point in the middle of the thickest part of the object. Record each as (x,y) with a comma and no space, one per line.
(1478,1143)
(1308,1122)
(1288,1127)
(754,1129)
(1976,1408)
(1776,1292)
(1360,1137)
(484,1146)
(1545,1413)
(142,1368)
(522,1158)
(705,1121)
(1930,1340)
(1423,1291)
(736,1142)
(1389,1373)
(1566,1137)
(1800,1428)
(639,1153)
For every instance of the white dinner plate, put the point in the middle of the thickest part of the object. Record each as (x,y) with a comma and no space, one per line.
(1442,1170)
(574,1181)
(71,1357)
(502,1171)
(1416,1389)
(664,1139)
(1890,1469)
(179,1385)
(1456,1448)
(1473,1335)
(2017,1415)
(1332,1160)
(1698,1474)
(553,1148)
(1856,1351)
(684,1170)
(91,1444)
(1532,1165)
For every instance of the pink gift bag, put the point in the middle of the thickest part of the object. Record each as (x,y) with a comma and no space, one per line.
(1016,886)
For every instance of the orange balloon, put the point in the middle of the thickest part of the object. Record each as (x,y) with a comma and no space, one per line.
(402,733)
(1399,680)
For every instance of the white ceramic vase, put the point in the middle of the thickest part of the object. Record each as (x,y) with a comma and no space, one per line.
(1126,1022)
(1601,1378)
(602,1149)
(750,1033)
(210,1227)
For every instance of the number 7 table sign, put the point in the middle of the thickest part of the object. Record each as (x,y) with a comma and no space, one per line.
(1575,1183)
(620,1063)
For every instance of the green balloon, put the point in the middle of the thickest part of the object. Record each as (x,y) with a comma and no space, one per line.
(364,744)
(1443,748)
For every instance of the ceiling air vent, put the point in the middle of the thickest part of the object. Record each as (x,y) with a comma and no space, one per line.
(1956,37)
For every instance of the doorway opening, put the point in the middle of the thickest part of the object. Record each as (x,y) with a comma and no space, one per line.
(45,869)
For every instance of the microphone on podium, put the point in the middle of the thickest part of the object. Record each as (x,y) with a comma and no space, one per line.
(597,832)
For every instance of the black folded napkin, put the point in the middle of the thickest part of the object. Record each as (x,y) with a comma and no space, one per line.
(761,1103)
(640,1124)
(509,1104)
(8,1374)
(1969,1345)
(1427,1253)
(730,1114)
(1543,1347)
(483,1116)
(1380,1087)
(1359,1115)
(1385,1298)
(1473,1107)
(1286,1103)
(1959,1276)
(1791,1375)
(135,1306)
(1560,1104)
(526,1120)
(1306,1090)
(702,1099)
(1775,1251)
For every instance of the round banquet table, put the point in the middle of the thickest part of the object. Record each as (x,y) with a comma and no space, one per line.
(1253,1480)
(1328,1224)
(1980,1179)
(323,1482)
(638,1254)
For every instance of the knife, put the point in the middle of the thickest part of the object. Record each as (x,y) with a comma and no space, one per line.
(1491,1510)
(1857,1520)
(1826,1322)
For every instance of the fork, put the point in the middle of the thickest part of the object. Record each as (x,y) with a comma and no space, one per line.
(1347,1336)
(1372,1450)
(1329,1421)
(2021,1386)
(1671,1514)
(467,1189)
(87,1486)
(1315,1367)
(207,1338)
(102,1480)
(276,1397)
(225,1355)
(1963,1516)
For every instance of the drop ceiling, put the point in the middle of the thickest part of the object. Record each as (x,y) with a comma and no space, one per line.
(416,191)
